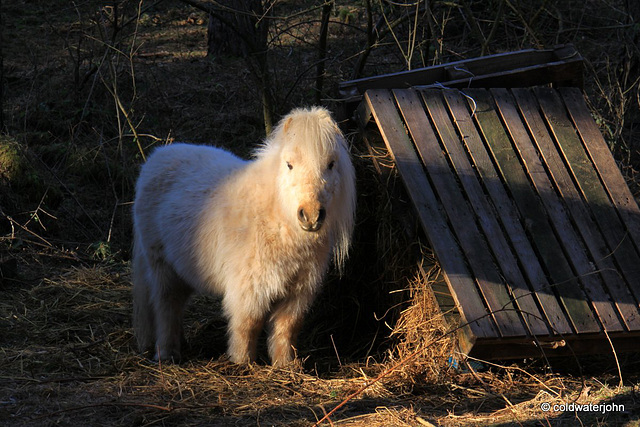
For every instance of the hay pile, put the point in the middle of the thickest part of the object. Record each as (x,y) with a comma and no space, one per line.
(68,359)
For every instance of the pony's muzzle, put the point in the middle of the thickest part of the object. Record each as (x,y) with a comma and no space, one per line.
(311,222)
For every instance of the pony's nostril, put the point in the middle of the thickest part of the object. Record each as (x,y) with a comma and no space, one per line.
(311,223)
(302,216)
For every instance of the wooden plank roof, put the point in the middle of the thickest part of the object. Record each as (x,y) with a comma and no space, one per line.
(534,227)
(561,65)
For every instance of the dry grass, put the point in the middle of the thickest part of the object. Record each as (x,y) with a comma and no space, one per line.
(68,358)
(375,345)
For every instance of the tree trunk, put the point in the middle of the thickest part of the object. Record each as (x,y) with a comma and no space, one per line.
(240,28)
(224,27)
(322,49)
(2,129)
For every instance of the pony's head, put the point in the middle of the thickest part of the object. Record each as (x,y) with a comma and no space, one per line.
(315,176)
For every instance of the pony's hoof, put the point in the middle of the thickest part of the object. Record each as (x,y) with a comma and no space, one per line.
(294,365)
(167,357)
(240,359)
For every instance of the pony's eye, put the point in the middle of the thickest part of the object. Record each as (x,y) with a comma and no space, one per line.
(331,165)
(289,165)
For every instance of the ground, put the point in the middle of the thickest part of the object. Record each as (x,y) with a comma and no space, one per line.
(90,89)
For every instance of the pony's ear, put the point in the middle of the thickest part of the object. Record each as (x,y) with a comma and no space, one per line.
(325,117)
(287,124)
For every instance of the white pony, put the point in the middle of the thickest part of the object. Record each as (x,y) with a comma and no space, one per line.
(260,233)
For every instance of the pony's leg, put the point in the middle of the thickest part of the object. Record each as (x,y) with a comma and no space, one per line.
(243,337)
(286,321)
(169,297)
(143,316)
(244,327)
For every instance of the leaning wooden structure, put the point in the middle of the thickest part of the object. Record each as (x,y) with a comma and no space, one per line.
(534,227)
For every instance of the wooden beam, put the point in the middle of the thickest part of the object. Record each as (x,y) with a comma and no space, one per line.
(562,64)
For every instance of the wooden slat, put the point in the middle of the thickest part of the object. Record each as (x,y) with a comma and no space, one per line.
(585,172)
(539,225)
(594,281)
(493,63)
(609,172)
(521,77)
(506,211)
(464,290)
(484,210)
(595,241)
(623,237)
(460,215)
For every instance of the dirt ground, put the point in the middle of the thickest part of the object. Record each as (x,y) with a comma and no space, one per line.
(91,87)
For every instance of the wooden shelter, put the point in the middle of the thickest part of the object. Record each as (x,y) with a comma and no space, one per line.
(532,222)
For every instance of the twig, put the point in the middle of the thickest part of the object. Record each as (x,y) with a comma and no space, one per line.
(70,193)
(411,43)
(377,33)
(114,93)
(13,221)
(336,350)
(215,8)
(322,49)
(382,375)
(496,23)
(517,369)
(615,356)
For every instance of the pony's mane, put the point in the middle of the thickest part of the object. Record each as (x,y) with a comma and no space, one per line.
(312,126)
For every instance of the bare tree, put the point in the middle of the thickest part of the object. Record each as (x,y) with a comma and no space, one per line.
(1,73)
(322,48)
(240,28)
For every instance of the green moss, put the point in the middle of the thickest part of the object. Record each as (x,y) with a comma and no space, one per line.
(20,180)
(12,162)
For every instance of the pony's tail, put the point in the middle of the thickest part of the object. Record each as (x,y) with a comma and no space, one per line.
(143,317)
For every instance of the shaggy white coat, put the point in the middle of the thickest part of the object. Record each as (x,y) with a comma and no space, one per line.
(261,233)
